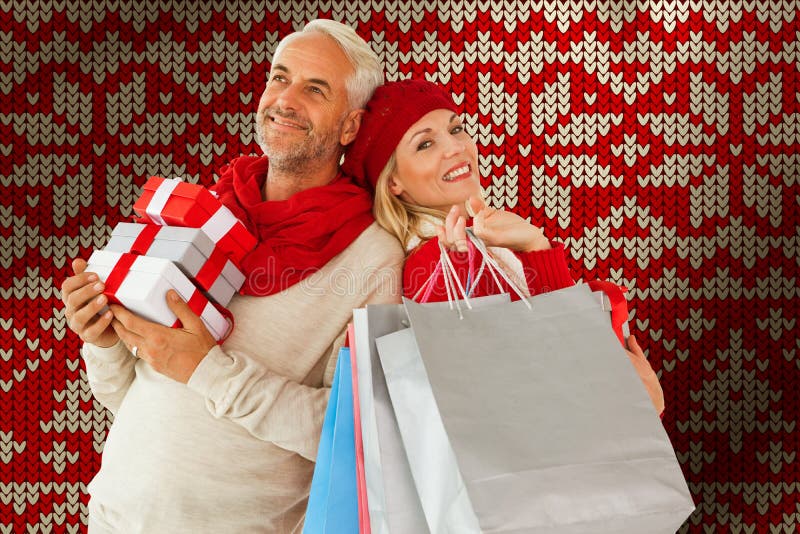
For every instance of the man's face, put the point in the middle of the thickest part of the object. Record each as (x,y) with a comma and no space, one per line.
(303,108)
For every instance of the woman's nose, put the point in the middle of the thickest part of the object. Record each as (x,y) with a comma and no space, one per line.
(455,146)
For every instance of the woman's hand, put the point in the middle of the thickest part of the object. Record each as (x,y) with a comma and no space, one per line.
(500,228)
(646,373)
(453,235)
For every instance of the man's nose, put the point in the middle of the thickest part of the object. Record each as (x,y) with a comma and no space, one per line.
(289,97)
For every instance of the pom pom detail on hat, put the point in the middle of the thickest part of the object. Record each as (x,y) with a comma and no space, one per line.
(392,110)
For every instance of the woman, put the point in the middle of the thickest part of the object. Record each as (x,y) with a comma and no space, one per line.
(423,167)
(413,150)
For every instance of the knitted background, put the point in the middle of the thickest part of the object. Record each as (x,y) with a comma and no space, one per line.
(658,139)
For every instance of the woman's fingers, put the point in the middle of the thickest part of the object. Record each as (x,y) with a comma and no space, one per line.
(454,234)
(460,234)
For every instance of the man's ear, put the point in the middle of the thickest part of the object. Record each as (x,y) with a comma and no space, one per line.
(350,127)
(395,187)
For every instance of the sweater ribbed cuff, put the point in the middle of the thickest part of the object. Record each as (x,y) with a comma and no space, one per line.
(106,355)
(212,376)
(551,266)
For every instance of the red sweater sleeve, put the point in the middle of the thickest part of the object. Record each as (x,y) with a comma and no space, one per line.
(421,264)
(546,270)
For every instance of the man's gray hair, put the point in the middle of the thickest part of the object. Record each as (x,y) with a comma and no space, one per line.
(367,70)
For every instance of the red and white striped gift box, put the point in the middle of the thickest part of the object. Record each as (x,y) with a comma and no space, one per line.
(191,249)
(140,283)
(171,202)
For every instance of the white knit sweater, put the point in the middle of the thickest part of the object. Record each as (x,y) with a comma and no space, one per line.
(233,450)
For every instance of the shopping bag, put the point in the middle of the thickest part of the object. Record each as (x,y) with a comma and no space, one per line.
(548,423)
(333,500)
(361,481)
(394,505)
(434,468)
(391,496)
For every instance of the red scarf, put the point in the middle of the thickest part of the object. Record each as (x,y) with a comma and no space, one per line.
(297,236)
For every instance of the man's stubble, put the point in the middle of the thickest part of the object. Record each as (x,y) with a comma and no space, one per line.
(303,153)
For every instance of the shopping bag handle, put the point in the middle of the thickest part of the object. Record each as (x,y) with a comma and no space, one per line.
(494,268)
(619,305)
(452,282)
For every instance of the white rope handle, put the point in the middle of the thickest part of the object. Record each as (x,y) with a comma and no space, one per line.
(424,286)
(452,281)
(494,267)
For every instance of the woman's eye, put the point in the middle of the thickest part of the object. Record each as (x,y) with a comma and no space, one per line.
(457,129)
(423,145)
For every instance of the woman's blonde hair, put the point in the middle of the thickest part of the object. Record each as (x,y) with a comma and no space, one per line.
(399,218)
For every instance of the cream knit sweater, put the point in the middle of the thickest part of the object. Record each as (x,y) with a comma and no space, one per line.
(233,451)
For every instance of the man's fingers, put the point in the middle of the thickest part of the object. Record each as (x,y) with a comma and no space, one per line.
(94,329)
(80,297)
(634,347)
(74,283)
(190,320)
(85,313)
(78,265)
(131,339)
(128,319)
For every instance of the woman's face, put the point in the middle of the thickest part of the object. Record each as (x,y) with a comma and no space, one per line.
(437,163)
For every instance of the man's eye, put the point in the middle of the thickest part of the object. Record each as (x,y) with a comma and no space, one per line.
(277,78)
(315,89)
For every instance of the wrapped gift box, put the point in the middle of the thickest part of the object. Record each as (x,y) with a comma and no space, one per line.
(189,248)
(140,283)
(169,202)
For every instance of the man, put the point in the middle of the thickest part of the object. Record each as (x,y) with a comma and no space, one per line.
(211,438)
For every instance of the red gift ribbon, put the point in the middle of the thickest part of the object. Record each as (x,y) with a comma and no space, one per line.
(117,276)
(197,303)
(212,268)
(145,239)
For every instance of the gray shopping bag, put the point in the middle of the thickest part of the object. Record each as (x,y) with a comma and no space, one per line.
(551,428)
(439,485)
(393,502)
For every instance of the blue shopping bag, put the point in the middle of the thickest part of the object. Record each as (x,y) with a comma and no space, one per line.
(333,502)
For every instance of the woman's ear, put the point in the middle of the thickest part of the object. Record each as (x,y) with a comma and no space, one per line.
(350,127)
(395,187)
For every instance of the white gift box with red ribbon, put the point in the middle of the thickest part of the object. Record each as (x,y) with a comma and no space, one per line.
(140,284)
(170,202)
(191,250)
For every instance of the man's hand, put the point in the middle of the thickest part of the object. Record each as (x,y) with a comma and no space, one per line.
(83,298)
(173,352)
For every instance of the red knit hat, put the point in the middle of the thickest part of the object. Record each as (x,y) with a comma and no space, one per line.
(392,110)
